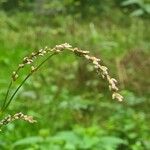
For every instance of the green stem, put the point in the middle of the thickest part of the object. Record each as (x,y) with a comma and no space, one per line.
(7,93)
(11,98)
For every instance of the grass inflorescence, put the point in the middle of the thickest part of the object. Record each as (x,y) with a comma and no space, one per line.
(49,52)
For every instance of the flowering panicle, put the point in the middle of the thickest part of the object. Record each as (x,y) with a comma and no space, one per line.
(17,116)
(29,60)
(102,70)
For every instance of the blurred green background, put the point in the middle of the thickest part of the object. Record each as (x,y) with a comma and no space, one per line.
(72,105)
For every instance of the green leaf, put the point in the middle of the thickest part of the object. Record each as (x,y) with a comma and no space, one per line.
(110,142)
(131,2)
(147,8)
(137,12)
(28,141)
(89,142)
(68,137)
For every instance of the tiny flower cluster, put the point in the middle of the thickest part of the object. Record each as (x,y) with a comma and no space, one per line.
(29,61)
(17,116)
(34,55)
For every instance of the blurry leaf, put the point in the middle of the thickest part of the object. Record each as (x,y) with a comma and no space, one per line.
(147,144)
(137,12)
(28,141)
(130,2)
(132,135)
(131,99)
(44,132)
(129,126)
(111,143)
(147,8)
(88,142)
(5,61)
(2,144)
(70,146)
(10,127)
(137,146)
(68,137)
(78,103)
(28,95)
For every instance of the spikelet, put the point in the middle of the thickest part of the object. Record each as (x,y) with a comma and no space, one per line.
(17,116)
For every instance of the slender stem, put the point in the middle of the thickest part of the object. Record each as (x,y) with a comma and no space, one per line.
(7,93)
(11,98)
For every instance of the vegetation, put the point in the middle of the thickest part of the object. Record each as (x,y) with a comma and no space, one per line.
(72,106)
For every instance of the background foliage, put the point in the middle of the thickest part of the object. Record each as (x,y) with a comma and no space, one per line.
(73,108)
